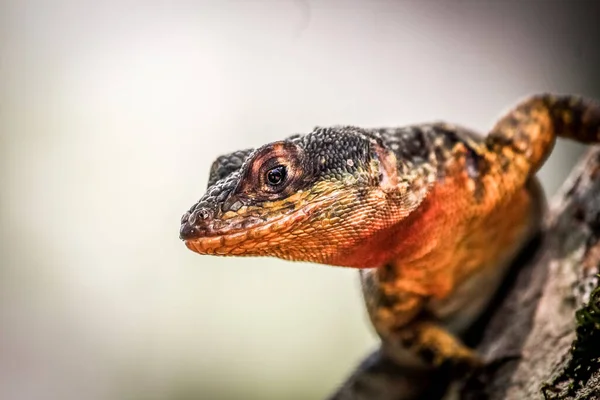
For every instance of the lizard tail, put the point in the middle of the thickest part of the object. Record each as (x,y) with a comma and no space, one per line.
(521,141)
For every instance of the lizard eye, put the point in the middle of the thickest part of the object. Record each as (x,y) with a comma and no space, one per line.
(276,176)
(274,172)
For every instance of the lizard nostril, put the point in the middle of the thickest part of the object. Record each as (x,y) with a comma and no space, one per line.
(204,214)
(198,214)
(194,223)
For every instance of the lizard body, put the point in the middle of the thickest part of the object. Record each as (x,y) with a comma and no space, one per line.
(430,214)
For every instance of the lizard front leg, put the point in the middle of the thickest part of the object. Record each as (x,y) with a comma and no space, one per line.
(435,345)
(409,335)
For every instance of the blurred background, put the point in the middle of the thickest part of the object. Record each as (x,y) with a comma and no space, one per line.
(111,113)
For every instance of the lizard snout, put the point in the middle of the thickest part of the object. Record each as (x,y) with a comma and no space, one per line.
(193,224)
(187,232)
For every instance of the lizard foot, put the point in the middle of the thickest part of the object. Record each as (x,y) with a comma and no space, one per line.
(438,347)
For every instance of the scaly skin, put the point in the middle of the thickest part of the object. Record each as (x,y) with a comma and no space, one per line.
(431,214)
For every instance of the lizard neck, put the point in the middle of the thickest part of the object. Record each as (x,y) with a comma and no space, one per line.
(407,238)
(449,233)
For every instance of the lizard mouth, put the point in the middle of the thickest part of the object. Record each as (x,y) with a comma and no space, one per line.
(250,240)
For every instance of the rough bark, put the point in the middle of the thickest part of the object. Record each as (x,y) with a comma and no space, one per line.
(541,337)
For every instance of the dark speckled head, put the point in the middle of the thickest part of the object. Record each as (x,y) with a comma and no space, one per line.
(299,198)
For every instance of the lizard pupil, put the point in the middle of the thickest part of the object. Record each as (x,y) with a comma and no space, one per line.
(275,176)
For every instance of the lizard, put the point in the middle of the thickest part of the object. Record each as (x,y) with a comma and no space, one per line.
(430,214)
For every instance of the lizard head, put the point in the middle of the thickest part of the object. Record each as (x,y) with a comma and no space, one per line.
(318,197)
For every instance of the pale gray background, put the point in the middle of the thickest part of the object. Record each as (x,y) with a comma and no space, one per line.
(111,113)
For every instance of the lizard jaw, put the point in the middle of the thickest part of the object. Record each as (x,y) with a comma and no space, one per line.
(254,240)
